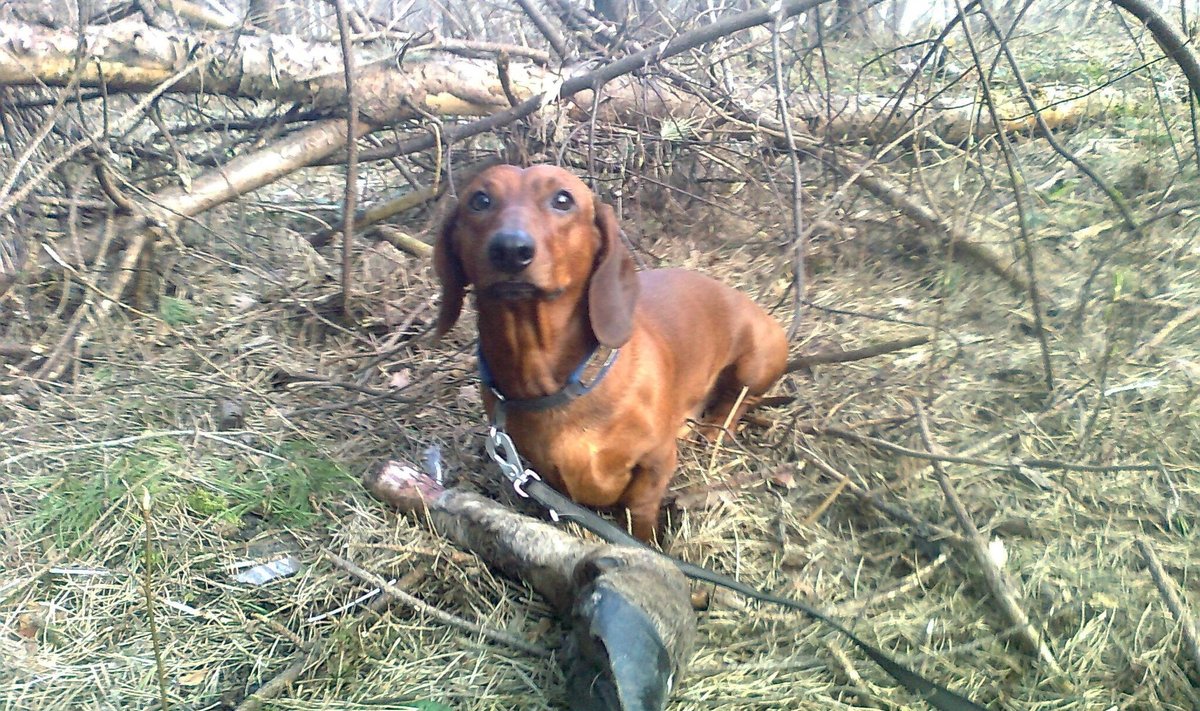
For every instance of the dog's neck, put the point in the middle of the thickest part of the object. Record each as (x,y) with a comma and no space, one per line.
(533,345)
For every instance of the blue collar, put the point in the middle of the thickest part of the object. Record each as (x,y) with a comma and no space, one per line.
(575,387)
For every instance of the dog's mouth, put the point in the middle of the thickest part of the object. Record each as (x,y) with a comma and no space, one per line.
(519,291)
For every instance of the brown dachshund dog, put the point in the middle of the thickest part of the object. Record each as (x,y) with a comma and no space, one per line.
(554,286)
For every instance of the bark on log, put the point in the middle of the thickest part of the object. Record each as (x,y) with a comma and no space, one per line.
(131,56)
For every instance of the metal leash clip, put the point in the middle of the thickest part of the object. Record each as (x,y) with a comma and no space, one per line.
(501,449)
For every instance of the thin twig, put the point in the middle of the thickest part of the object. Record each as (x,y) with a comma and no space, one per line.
(874,181)
(1113,196)
(16,166)
(379,211)
(7,201)
(857,686)
(543,25)
(181,161)
(915,580)
(975,461)
(974,542)
(785,118)
(314,649)
(867,176)
(223,437)
(1007,153)
(56,557)
(923,529)
(1174,43)
(148,592)
(441,615)
(75,336)
(109,187)
(1170,595)
(351,157)
(505,79)
(1165,332)
(655,54)
(284,679)
(468,48)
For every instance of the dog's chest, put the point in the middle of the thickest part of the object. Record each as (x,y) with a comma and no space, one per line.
(593,464)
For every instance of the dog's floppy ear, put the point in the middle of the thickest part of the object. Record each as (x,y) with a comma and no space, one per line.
(450,272)
(614,288)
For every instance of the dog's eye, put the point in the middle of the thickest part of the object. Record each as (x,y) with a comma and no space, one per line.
(562,201)
(479,202)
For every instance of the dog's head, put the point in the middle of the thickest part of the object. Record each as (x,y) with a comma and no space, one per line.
(536,233)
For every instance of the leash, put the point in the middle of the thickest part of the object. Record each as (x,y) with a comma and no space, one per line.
(529,485)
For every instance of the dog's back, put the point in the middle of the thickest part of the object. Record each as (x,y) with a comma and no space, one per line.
(716,338)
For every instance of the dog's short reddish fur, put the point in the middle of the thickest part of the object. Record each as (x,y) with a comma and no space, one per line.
(688,343)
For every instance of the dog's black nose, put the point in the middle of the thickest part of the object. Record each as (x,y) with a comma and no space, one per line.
(510,250)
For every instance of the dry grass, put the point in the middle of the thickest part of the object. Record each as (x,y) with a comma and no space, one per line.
(249,313)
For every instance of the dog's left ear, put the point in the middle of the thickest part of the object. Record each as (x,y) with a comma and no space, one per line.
(614,288)
(450,272)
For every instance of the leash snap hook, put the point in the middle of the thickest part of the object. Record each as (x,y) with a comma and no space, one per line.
(501,448)
(519,482)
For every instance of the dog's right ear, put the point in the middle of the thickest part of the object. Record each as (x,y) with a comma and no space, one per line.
(614,287)
(450,272)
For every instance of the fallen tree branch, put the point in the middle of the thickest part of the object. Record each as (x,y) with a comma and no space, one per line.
(131,56)
(877,349)
(961,248)
(598,77)
(237,177)
(404,242)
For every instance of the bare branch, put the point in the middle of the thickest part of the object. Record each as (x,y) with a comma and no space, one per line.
(543,25)
(1173,42)
(348,208)
(878,349)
